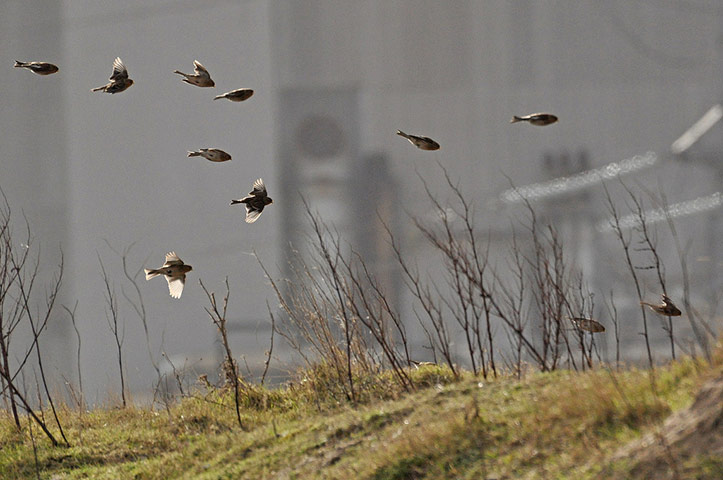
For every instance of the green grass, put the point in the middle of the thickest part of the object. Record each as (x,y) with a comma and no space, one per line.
(547,425)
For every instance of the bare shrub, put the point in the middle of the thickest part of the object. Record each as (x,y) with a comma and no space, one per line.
(115,325)
(531,300)
(230,367)
(335,307)
(625,239)
(19,306)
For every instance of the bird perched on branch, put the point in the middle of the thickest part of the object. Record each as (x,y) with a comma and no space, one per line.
(423,143)
(667,307)
(255,202)
(587,324)
(200,76)
(39,68)
(175,272)
(119,80)
(236,95)
(539,119)
(212,154)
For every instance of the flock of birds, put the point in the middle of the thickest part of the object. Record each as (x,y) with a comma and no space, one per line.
(665,308)
(174,270)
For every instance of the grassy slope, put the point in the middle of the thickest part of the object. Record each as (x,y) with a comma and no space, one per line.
(554,425)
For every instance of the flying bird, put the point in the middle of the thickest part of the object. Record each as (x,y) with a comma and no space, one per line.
(39,68)
(200,76)
(119,80)
(539,119)
(255,202)
(587,324)
(424,143)
(236,95)
(666,307)
(212,154)
(175,272)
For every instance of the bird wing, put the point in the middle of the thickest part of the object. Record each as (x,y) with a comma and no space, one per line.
(259,189)
(594,326)
(175,285)
(120,72)
(172,259)
(588,324)
(252,214)
(241,92)
(200,69)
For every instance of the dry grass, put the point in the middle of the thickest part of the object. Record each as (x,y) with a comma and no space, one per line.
(547,425)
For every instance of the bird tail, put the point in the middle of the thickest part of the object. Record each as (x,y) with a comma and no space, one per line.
(151,273)
(97,89)
(647,304)
(194,154)
(234,202)
(217,97)
(402,134)
(180,73)
(515,119)
(19,64)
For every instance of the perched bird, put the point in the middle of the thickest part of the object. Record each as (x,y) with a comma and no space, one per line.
(39,68)
(175,272)
(200,76)
(119,80)
(667,307)
(587,324)
(424,143)
(255,201)
(539,119)
(212,154)
(236,95)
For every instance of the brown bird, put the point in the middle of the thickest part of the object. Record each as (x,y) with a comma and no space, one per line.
(539,119)
(236,95)
(200,77)
(212,154)
(119,80)
(424,143)
(175,272)
(587,324)
(255,202)
(667,307)
(39,68)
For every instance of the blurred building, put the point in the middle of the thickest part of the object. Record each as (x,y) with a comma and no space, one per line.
(334,81)
(625,80)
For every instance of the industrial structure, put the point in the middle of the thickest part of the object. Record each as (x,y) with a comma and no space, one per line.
(99,174)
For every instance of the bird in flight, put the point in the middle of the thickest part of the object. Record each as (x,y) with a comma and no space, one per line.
(255,202)
(39,68)
(587,324)
(423,143)
(175,272)
(212,154)
(666,307)
(236,95)
(119,80)
(539,119)
(200,76)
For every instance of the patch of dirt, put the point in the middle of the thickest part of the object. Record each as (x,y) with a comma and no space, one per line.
(686,439)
